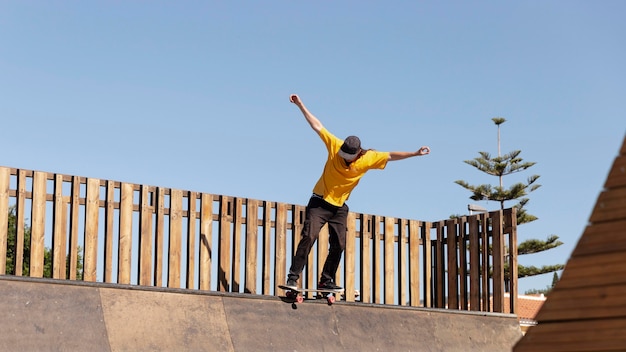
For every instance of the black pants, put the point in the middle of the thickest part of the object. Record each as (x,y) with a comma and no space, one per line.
(318,213)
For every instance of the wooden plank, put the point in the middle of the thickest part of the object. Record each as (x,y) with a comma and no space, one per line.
(601,335)
(389,270)
(377,274)
(38,226)
(484,254)
(159,234)
(498,261)
(5,180)
(366,259)
(511,214)
(474,263)
(109,220)
(462,261)
(403,280)
(584,303)
(280,264)
(59,230)
(206,240)
(252,229)
(191,240)
(74,224)
(20,219)
(602,238)
(594,270)
(92,211)
(350,258)
(414,262)
(125,233)
(175,239)
(236,244)
(267,248)
(145,236)
(440,266)
(427,266)
(223,272)
(452,264)
(610,206)
(602,259)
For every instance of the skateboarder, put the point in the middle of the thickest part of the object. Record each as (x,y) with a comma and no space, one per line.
(345,165)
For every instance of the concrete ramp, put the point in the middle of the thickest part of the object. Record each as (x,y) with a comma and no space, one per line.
(53,315)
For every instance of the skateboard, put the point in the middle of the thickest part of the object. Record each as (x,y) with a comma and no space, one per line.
(297,296)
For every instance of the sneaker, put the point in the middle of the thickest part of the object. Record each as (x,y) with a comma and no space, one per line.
(292,284)
(329,285)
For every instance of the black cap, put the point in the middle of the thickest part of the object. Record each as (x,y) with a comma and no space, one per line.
(351,148)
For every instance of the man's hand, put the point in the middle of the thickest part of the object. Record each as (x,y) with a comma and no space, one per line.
(423,151)
(294,98)
(316,125)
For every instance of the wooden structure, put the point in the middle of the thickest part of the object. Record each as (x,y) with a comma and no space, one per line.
(586,310)
(125,233)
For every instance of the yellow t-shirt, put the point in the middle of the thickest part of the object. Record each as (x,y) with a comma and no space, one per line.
(339,179)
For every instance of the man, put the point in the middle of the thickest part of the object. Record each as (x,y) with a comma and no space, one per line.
(345,166)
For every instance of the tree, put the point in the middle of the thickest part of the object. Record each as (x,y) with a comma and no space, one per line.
(546,291)
(504,165)
(12,248)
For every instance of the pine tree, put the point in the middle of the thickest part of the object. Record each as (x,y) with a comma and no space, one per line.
(504,165)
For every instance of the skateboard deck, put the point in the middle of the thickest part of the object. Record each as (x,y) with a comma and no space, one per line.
(296,294)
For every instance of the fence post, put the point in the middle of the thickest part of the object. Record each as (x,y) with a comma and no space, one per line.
(92,210)
(5,175)
(349,257)
(498,261)
(474,263)
(512,231)
(126,233)
(252,230)
(206,240)
(38,227)
(59,235)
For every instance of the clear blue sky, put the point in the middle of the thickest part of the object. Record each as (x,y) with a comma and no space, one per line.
(194,95)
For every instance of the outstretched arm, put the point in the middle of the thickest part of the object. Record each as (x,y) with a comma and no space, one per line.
(316,125)
(403,155)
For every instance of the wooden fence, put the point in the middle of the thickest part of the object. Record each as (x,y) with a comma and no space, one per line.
(72,227)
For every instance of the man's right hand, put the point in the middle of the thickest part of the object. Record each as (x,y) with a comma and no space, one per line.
(310,118)
(294,99)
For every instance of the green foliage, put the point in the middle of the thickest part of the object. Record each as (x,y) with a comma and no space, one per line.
(498,120)
(555,279)
(501,165)
(546,291)
(12,252)
(522,216)
(535,291)
(525,271)
(504,165)
(12,246)
(536,246)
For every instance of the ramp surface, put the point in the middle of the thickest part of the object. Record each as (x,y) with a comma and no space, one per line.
(60,315)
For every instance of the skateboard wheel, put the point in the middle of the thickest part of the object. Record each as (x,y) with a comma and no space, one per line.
(299,299)
(331,299)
